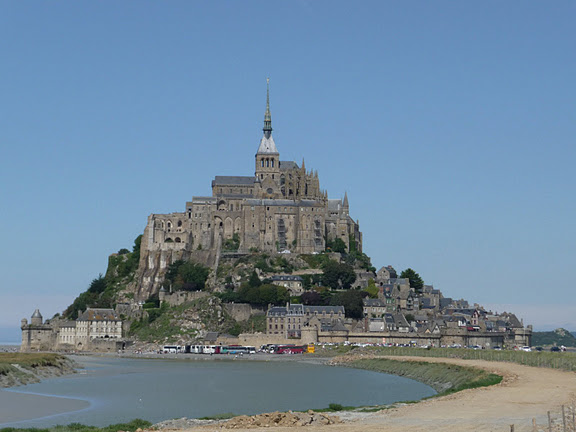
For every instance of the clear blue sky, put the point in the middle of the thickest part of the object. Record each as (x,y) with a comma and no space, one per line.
(449,124)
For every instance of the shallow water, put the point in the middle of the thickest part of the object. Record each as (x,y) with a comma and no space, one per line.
(119,390)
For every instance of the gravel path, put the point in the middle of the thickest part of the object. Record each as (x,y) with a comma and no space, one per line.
(525,393)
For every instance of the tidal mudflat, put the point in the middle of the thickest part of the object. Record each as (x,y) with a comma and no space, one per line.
(115,390)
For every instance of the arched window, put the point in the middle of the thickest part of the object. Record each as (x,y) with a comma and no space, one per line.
(272,163)
(267,163)
(179,223)
(262,162)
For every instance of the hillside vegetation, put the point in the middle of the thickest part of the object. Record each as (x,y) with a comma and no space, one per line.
(557,337)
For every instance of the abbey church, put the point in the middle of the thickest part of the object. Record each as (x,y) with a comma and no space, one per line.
(280,208)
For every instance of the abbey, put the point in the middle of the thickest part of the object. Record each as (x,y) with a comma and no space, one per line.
(281,208)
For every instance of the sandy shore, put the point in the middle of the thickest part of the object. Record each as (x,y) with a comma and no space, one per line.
(525,393)
(15,406)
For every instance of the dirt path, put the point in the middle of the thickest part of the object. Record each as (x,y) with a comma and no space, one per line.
(525,393)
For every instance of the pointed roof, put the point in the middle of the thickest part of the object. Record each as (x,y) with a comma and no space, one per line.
(267,145)
(345,204)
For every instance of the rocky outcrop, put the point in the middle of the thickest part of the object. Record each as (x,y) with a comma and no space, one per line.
(281,419)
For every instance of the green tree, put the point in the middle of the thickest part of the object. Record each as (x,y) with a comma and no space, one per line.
(352,302)
(416,281)
(263,295)
(90,298)
(339,246)
(312,298)
(338,276)
(97,285)
(254,280)
(187,276)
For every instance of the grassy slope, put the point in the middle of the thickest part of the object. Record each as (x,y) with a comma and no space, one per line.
(555,360)
(557,338)
(76,427)
(442,377)
(28,361)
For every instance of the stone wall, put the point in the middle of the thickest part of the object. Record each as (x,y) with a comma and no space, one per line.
(180,297)
(241,311)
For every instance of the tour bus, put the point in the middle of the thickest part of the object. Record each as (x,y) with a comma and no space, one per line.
(211,349)
(238,349)
(171,349)
(194,349)
(290,349)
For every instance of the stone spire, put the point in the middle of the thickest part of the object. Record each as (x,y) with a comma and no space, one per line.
(267,116)
(267,144)
(345,204)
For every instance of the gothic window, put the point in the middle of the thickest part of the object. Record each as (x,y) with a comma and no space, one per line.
(272,163)
(262,162)
(267,163)
(179,223)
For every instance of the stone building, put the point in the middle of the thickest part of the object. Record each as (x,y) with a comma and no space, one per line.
(280,208)
(96,329)
(289,320)
(293,283)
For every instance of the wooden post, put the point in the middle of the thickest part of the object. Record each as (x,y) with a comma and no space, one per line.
(549,422)
(534,428)
(511,428)
(563,418)
(573,418)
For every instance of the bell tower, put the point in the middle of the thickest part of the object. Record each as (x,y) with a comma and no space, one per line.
(267,156)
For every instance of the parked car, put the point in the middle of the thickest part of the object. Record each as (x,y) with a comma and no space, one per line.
(555,349)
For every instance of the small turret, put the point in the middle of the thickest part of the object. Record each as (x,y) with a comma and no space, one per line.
(36,318)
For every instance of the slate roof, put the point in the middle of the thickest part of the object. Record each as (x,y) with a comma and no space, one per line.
(203,200)
(369,302)
(267,146)
(426,303)
(233,180)
(298,309)
(334,204)
(286,278)
(97,314)
(445,302)
(288,165)
(211,336)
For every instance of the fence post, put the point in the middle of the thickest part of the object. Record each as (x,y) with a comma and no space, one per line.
(563,418)
(511,428)
(534,428)
(549,422)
